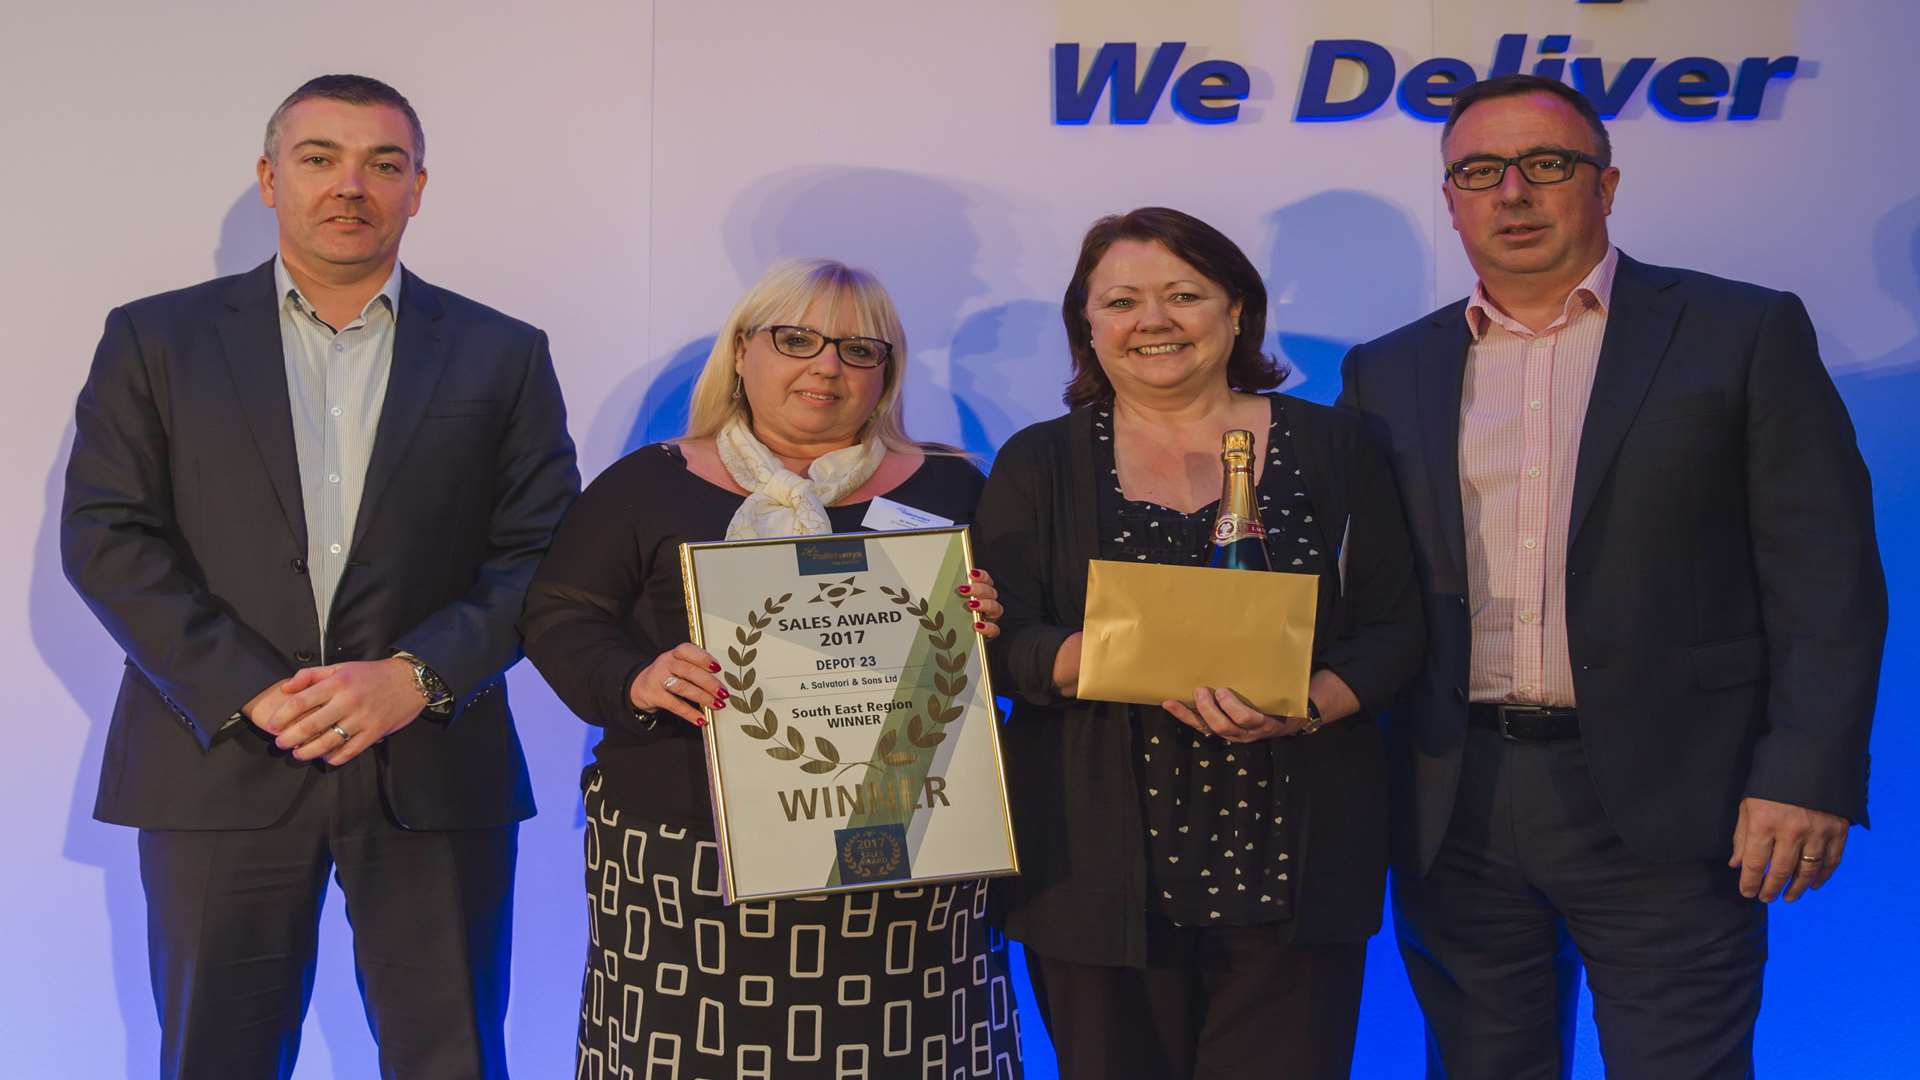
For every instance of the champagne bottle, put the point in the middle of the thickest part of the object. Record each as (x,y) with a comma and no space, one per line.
(1239,540)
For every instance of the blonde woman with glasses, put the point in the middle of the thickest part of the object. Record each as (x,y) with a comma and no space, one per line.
(795,427)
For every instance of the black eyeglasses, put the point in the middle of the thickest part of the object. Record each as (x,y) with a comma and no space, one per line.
(803,343)
(1540,167)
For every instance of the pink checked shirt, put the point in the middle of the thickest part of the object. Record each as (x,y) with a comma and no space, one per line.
(1522,405)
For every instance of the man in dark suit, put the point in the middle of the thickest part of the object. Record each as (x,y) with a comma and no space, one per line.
(1655,616)
(306,501)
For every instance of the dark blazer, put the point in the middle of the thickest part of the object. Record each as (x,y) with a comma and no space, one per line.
(1081,895)
(183,530)
(1725,603)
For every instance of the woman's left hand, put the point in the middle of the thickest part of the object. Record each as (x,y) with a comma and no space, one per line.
(1217,711)
(984,601)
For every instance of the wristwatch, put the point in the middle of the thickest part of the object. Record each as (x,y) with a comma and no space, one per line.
(1313,719)
(431,686)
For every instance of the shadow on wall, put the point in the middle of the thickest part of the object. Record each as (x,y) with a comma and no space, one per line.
(248,235)
(1883,395)
(914,231)
(1896,263)
(920,236)
(1343,267)
(924,238)
(88,664)
(1007,367)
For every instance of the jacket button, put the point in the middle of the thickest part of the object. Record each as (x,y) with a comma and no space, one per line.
(299,566)
(304,656)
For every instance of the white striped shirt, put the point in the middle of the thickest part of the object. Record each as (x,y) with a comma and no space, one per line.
(1523,403)
(336,389)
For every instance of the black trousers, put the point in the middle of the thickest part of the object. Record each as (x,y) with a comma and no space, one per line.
(1212,1004)
(233,921)
(1530,885)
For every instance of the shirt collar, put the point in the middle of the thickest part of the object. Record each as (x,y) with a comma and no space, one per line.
(287,290)
(1595,291)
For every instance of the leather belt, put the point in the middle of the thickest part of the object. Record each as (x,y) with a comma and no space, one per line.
(1525,723)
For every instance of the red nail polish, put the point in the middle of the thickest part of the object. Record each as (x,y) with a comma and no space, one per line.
(979,626)
(973,604)
(715,668)
(964,589)
(973,573)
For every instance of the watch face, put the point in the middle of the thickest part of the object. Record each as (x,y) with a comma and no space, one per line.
(432,685)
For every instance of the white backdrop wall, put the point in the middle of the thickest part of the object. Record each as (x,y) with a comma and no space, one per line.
(617,172)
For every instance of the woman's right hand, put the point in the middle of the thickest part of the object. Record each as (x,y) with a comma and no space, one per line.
(682,681)
(1066,666)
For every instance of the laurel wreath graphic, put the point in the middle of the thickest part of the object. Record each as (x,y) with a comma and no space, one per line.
(949,680)
(925,728)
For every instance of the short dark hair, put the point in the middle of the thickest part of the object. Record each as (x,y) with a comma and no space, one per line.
(352,90)
(1207,250)
(1515,85)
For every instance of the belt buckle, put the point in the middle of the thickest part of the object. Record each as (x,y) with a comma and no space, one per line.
(1506,714)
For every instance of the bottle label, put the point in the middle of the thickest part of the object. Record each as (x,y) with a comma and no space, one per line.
(1231,528)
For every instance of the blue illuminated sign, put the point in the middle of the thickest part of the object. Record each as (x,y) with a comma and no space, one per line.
(1195,93)
(1210,91)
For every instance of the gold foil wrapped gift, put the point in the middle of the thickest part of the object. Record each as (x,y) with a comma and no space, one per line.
(1155,632)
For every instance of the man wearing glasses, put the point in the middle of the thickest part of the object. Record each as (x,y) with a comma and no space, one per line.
(1655,616)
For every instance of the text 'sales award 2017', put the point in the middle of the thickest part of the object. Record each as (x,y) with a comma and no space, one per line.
(859,745)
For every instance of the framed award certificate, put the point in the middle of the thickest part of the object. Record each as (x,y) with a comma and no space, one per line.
(858,746)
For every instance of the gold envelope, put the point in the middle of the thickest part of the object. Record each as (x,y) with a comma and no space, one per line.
(1156,632)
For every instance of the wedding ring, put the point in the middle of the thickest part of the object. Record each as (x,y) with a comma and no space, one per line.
(670,680)
(1813,858)
(342,732)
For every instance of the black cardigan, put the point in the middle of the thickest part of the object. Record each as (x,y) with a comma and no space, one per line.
(1081,895)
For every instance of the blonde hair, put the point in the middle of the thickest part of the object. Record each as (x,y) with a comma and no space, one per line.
(855,300)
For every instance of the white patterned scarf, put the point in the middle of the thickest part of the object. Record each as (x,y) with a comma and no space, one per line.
(781,502)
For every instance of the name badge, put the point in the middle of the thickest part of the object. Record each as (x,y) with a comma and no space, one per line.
(885,515)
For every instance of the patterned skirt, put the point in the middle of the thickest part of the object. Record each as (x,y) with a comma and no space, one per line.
(907,983)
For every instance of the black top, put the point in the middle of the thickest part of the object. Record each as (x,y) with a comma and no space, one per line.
(608,599)
(1220,832)
(1071,764)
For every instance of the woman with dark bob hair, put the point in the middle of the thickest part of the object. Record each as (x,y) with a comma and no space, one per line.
(1199,879)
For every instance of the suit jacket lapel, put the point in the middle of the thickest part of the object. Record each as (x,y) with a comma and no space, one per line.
(1639,326)
(419,356)
(1442,370)
(256,359)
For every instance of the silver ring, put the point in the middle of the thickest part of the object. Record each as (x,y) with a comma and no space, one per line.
(668,684)
(342,732)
